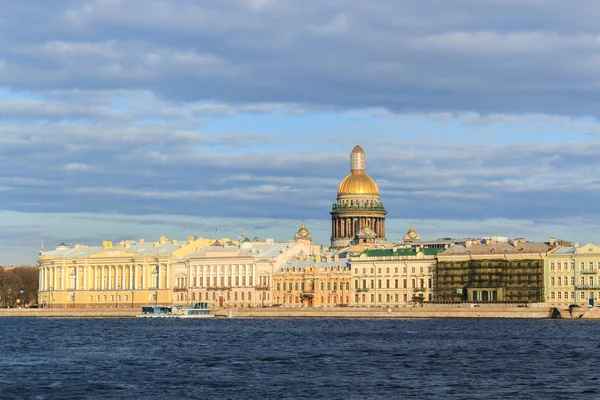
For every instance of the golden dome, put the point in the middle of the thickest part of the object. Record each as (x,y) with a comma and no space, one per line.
(358,184)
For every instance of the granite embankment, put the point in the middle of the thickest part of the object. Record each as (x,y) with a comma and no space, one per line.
(437,312)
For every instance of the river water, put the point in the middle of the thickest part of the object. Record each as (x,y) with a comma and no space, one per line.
(298,358)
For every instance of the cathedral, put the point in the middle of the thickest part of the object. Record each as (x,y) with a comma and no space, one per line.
(358,216)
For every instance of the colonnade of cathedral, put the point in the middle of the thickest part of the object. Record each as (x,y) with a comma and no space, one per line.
(348,227)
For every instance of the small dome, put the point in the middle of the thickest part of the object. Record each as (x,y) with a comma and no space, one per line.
(303,233)
(358,149)
(358,184)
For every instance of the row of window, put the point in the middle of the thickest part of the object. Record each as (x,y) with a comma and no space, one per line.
(300,286)
(491,280)
(216,281)
(105,298)
(559,281)
(324,300)
(387,270)
(389,298)
(559,295)
(558,265)
(388,284)
(228,296)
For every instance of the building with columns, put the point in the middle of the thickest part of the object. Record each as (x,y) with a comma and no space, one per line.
(123,275)
(120,275)
(358,216)
(232,276)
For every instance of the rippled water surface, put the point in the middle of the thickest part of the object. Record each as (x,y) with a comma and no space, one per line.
(298,358)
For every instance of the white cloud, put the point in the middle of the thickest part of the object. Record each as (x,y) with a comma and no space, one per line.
(74,167)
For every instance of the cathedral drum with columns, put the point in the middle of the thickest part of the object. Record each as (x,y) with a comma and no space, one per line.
(358,216)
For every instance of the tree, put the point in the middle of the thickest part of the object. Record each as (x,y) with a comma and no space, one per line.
(18,286)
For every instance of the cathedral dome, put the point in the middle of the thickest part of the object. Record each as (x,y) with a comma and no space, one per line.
(357,183)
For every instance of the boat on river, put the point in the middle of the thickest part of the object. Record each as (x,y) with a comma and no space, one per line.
(198,310)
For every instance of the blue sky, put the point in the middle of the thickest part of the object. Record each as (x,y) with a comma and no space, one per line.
(127,119)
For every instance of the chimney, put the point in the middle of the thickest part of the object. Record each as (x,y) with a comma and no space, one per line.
(552,242)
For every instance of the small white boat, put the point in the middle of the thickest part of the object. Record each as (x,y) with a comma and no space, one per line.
(198,310)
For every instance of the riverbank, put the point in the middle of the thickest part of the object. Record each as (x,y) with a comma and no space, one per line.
(280,312)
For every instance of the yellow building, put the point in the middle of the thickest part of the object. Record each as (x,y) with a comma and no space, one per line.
(313,282)
(122,275)
(571,275)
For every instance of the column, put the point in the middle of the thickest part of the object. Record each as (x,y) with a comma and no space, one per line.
(124,267)
(168,275)
(145,273)
(54,279)
(158,282)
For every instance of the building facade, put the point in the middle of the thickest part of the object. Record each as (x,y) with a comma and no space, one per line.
(131,274)
(500,272)
(393,277)
(571,275)
(358,216)
(123,275)
(313,282)
(232,276)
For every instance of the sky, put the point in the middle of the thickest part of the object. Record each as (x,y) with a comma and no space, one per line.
(129,119)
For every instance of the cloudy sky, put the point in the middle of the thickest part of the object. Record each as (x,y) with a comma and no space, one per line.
(127,119)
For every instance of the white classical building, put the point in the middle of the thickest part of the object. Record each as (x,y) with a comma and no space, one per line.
(393,277)
(232,276)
